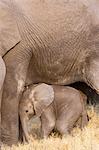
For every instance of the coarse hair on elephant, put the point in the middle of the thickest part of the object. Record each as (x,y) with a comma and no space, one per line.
(51,41)
(57,106)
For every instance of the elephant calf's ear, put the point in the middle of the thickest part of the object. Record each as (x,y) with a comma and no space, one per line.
(43,97)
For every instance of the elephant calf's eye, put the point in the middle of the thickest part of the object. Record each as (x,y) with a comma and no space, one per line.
(26,111)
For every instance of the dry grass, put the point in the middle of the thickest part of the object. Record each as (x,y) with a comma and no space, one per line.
(88,139)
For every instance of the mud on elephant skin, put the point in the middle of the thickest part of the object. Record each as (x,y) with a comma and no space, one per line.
(59,45)
(58,107)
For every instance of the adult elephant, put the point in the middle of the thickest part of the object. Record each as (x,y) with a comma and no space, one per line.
(56,42)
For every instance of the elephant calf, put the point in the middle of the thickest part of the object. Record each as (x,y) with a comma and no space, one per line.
(57,106)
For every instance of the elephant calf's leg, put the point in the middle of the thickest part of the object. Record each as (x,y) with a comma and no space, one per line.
(47,122)
(62,127)
(46,127)
(67,120)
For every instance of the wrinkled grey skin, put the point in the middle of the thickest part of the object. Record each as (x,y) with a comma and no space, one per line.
(51,41)
(60,109)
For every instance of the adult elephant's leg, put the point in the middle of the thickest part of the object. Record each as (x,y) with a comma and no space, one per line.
(17,61)
(2,77)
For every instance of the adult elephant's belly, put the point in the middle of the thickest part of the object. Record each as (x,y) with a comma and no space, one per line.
(59,43)
(54,67)
(58,59)
(58,54)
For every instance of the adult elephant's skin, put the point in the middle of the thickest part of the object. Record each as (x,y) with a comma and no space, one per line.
(55,42)
(9,37)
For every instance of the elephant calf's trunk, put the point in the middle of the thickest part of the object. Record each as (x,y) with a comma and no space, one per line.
(24,122)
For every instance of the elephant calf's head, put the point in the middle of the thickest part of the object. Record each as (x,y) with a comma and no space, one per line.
(36,99)
(26,109)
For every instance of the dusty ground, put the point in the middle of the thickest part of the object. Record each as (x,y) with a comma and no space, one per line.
(88,139)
